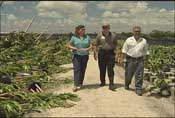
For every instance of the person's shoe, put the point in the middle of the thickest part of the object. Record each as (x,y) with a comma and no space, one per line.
(139,92)
(111,87)
(75,89)
(126,87)
(102,84)
(78,87)
(81,86)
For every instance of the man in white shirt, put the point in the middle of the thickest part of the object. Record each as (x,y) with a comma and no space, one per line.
(135,51)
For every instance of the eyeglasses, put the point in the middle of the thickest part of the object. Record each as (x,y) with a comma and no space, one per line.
(83,29)
(137,31)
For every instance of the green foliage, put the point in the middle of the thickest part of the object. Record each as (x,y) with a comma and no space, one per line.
(161,34)
(160,56)
(160,87)
(19,54)
(12,108)
(18,46)
(28,102)
(6,88)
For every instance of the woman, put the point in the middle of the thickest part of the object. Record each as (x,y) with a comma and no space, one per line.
(80,45)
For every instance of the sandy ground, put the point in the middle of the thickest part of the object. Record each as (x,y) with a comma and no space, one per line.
(101,102)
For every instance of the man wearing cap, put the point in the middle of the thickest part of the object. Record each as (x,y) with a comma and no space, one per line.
(135,51)
(105,46)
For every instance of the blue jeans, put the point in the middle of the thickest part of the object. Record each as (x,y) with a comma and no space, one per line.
(134,66)
(79,65)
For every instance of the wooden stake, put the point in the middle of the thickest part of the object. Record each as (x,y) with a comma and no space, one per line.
(30,24)
(37,39)
(49,36)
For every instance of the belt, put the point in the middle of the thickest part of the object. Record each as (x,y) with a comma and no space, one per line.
(105,50)
(135,58)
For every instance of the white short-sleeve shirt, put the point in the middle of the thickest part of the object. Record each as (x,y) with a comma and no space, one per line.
(135,48)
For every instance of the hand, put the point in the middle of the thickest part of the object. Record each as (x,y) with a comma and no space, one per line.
(75,48)
(146,63)
(116,58)
(95,56)
(83,49)
(122,62)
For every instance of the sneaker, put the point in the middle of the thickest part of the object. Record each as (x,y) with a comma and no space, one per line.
(139,92)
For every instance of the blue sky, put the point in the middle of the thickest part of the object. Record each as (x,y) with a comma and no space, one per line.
(63,16)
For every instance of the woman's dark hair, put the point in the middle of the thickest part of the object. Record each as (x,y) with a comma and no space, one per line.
(77,30)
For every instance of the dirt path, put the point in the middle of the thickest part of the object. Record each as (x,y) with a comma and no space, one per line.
(101,102)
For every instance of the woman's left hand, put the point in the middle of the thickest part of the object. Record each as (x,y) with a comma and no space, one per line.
(86,49)
(83,49)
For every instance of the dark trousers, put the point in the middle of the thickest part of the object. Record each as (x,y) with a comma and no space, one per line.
(79,65)
(134,66)
(106,61)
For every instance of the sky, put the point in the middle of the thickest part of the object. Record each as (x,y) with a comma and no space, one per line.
(64,16)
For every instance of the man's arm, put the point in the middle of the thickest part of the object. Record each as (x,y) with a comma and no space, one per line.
(124,52)
(146,55)
(95,49)
(123,58)
(116,46)
(116,54)
(95,46)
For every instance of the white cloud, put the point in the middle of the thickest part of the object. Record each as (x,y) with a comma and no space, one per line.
(171,11)
(107,14)
(115,6)
(8,2)
(52,14)
(122,15)
(15,24)
(58,22)
(139,7)
(120,6)
(21,8)
(15,8)
(78,17)
(68,22)
(162,10)
(61,7)
(67,13)
(131,13)
(11,17)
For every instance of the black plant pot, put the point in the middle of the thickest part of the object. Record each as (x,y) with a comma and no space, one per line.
(166,68)
(6,79)
(2,113)
(161,75)
(32,85)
